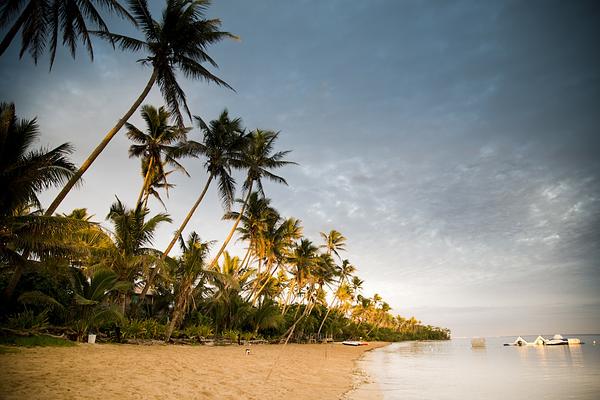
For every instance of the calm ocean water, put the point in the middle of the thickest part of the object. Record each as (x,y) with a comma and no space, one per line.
(454,370)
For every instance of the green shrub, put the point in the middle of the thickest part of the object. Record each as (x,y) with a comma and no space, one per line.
(154,329)
(133,329)
(28,320)
(35,340)
(231,334)
(198,331)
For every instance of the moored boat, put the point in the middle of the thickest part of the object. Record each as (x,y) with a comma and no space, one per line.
(354,343)
(557,340)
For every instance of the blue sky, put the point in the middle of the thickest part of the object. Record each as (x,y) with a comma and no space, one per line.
(455,144)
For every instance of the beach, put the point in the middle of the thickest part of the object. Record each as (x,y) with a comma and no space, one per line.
(108,371)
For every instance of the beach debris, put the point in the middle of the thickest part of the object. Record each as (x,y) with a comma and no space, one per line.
(478,342)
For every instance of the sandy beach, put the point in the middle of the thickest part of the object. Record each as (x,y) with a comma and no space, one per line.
(108,371)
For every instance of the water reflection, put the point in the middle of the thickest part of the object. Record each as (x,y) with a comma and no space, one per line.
(455,370)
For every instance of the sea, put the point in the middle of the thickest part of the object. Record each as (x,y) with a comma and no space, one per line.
(453,369)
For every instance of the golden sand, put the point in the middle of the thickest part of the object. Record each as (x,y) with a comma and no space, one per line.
(105,371)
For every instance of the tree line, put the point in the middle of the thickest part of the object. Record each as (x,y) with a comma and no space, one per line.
(73,274)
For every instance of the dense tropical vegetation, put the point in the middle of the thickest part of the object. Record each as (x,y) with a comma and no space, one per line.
(73,274)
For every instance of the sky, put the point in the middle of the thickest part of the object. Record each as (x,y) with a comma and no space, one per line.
(454,143)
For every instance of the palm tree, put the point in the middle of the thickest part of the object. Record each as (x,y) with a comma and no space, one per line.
(227,306)
(189,268)
(266,315)
(302,259)
(344,272)
(308,265)
(159,146)
(258,158)
(334,242)
(40,23)
(23,174)
(178,42)
(223,141)
(253,222)
(276,242)
(222,144)
(126,251)
(92,299)
(157,179)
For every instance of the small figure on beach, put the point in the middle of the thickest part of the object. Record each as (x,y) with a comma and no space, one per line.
(239,337)
(247,351)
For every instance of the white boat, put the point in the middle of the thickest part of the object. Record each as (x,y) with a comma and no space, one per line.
(557,340)
(354,343)
(518,342)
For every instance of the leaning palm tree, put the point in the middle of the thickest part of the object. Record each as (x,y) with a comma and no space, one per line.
(40,23)
(23,174)
(301,259)
(160,145)
(344,272)
(253,223)
(189,268)
(222,144)
(276,241)
(258,158)
(178,42)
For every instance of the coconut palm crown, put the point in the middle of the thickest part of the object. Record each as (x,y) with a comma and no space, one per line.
(160,145)
(41,22)
(176,43)
(24,172)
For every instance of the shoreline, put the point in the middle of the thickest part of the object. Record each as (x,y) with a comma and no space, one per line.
(109,371)
(364,386)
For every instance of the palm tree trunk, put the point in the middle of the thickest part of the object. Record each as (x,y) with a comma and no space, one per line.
(10,35)
(256,281)
(288,334)
(92,157)
(287,298)
(165,253)
(246,257)
(235,225)
(329,308)
(14,280)
(335,298)
(178,312)
(145,184)
(269,275)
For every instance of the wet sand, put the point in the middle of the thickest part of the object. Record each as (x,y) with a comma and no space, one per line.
(105,371)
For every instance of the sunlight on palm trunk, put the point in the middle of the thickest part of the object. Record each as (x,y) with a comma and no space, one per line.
(165,253)
(235,225)
(92,157)
(145,184)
